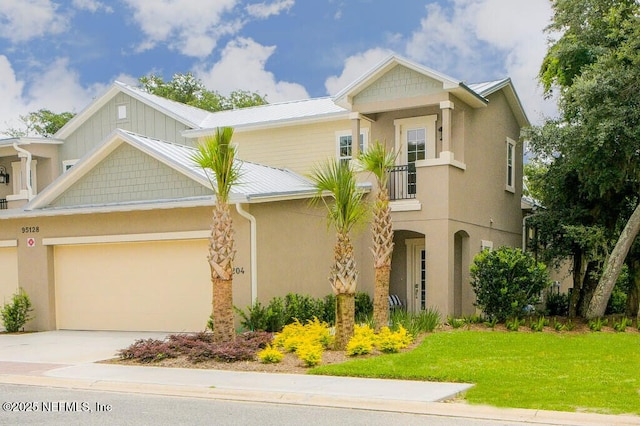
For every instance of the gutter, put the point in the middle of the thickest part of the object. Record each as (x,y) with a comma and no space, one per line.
(254,251)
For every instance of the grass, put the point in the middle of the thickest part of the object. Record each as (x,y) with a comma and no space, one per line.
(596,372)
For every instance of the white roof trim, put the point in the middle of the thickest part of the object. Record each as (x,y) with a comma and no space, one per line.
(343,98)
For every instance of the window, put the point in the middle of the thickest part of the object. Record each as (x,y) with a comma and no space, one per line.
(67,164)
(122,112)
(416,144)
(345,145)
(511,169)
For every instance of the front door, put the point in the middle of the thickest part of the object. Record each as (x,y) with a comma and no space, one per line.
(416,275)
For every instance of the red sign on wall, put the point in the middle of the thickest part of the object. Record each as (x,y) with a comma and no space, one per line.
(31,242)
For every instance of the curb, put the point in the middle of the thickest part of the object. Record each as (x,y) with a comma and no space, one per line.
(449,410)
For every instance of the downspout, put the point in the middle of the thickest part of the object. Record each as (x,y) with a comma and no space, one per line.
(524,230)
(27,170)
(254,251)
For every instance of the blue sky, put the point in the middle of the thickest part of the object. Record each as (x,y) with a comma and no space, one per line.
(60,54)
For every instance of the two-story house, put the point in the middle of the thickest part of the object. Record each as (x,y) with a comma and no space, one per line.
(105,225)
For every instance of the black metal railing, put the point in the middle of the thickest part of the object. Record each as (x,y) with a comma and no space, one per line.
(402,182)
(3,203)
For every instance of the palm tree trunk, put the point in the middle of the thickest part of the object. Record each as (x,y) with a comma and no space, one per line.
(223,327)
(221,254)
(345,319)
(381,297)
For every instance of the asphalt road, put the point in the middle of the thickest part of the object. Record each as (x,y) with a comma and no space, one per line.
(30,405)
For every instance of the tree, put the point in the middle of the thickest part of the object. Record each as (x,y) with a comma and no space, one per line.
(378,160)
(216,155)
(596,65)
(346,210)
(187,89)
(42,122)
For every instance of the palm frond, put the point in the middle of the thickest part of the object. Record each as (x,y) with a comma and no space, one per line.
(378,160)
(338,179)
(217,154)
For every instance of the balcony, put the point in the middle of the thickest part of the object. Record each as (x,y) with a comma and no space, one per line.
(3,203)
(402,183)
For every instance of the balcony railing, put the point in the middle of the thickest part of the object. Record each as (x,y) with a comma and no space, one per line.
(3,203)
(402,182)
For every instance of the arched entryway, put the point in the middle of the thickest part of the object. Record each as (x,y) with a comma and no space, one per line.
(409,270)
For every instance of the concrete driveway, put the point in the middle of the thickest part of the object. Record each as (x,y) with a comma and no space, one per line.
(66,346)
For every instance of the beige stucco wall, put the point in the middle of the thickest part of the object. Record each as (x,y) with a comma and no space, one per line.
(9,268)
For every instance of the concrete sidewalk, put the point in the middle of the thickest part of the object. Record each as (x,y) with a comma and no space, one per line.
(67,359)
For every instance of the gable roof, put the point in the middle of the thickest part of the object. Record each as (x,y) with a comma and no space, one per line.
(188,115)
(491,87)
(257,183)
(449,84)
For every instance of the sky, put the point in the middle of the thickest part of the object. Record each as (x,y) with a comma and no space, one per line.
(61,54)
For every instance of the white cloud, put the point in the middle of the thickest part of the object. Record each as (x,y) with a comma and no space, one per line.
(264,10)
(92,6)
(354,67)
(191,27)
(242,67)
(476,36)
(22,20)
(56,87)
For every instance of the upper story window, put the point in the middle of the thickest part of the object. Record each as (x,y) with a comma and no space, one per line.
(511,166)
(344,144)
(122,112)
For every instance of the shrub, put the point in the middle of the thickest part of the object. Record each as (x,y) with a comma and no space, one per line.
(16,314)
(455,322)
(558,326)
(491,323)
(539,324)
(415,323)
(622,324)
(391,342)
(310,353)
(362,342)
(270,355)
(270,318)
(506,281)
(557,304)
(148,350)
(364,307)
(295,334)
(597,324)
(513,324)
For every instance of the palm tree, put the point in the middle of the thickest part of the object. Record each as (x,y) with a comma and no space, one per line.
(347,209)
(378,160)
(216,156)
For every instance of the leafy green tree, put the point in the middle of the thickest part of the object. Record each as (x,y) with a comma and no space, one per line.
(188,89)
(594,143)
(42,123)
(506,281)
(216,155)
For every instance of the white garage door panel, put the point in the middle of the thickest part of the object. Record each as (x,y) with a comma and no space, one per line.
(9,268)
(149,286)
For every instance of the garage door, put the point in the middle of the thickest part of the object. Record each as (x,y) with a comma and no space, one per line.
(139,286)
(9,268)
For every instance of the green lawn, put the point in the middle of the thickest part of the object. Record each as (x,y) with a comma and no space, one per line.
(551,371)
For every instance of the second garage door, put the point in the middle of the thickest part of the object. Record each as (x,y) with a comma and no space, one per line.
(141,286)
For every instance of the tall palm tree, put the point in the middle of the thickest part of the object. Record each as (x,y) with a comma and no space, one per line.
(378,160)
(347,209)
(216,156)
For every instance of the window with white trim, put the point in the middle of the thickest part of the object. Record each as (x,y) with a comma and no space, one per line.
(67,164)
(122,112)
(511,166)
(344,144)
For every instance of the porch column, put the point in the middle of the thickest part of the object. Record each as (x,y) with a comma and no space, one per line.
(446,107)
(355,134)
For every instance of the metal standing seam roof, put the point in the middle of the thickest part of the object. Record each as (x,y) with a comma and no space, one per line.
(256,180)
(488,87)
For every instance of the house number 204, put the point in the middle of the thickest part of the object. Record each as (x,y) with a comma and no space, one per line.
(238,270)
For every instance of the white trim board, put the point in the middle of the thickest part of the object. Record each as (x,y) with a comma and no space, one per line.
(126,238)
